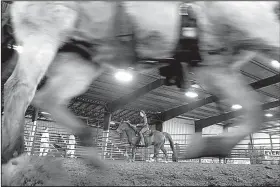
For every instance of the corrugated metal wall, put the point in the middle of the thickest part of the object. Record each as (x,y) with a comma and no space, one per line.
(212,130)
(180,130)
(178,126)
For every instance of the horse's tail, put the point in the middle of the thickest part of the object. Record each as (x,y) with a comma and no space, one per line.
(174,155)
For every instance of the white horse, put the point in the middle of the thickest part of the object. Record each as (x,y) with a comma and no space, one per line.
(41,28)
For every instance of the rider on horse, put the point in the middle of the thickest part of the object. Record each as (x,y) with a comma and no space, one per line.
(144,127)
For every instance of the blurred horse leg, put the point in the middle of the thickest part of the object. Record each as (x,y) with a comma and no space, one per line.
(133,153)
(19,148)
(233,87)
(156,152)
(40,36)
(69,76)
(20,89)
(41,151)
(243,32)
(164,152)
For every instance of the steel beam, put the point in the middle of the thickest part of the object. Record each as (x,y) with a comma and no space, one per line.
(159,126)
(270,127)
(107,120)
(169,114)
(274,133)
(117,104)
(266,119)
(229,115)
(266,82)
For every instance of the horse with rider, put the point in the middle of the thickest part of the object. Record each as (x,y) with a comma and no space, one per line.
(140,135)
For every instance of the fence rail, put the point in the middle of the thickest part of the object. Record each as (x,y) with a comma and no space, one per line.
(56,141)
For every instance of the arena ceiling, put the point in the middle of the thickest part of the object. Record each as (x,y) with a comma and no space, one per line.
(147,92)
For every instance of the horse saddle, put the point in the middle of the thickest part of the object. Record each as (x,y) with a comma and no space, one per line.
(146,133)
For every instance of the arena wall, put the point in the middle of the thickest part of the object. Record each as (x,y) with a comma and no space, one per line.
(265,149)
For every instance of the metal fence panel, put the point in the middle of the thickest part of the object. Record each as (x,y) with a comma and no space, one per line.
(265,149)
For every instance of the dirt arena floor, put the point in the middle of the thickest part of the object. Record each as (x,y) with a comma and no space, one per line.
(121,173)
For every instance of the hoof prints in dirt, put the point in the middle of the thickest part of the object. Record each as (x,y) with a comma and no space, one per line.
(34,171)
(122,173)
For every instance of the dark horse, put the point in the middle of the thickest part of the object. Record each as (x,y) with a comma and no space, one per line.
(155,138)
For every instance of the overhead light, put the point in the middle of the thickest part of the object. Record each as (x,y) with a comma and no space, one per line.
(18,48)
(275,63)
(189,32)
(45,113)
(123,75)
(236,107)
(195,86)
(268,115)
(191,94)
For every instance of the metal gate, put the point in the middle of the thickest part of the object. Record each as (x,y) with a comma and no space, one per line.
(47,138)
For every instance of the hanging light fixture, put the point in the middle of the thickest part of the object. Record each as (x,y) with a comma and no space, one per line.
(191,94)
(18,48)
(123,75)
(195,86)
(275,64)
(268,115)
(236,106)
(45,113)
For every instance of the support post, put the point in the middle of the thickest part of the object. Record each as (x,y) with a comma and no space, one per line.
(251,141)
(271,144)
(225,130)
(31,138)
(105,136)
(159,126)
(198,130)
(252,155)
